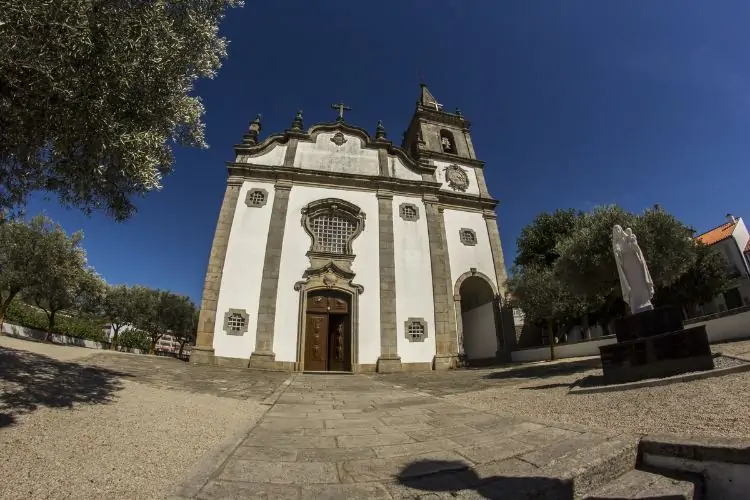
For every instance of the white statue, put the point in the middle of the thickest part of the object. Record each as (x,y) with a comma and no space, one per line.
(635,280)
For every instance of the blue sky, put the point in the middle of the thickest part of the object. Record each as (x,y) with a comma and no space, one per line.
(573,104)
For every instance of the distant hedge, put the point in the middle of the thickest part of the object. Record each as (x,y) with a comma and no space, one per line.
(133,339)
(22,314)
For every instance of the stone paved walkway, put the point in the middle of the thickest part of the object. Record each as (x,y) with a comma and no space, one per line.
(348,437)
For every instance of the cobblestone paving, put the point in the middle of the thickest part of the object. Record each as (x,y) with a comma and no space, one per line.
(348,436)
(170,373)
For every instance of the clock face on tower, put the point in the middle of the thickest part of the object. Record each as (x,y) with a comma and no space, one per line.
(456,178)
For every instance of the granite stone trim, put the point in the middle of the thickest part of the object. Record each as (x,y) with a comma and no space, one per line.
(501,277)
(481,182)
(263,354)
(446,341)
(409,325)
(203,350)
(383,163)
(467,236)
(291,153)
(427,186)
(506,335)
(389,359)
(251,199)
(245,316)
(408,215)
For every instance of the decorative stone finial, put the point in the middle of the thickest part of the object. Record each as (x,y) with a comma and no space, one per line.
(380,130)
(253,130)
(458,112)
(297,123)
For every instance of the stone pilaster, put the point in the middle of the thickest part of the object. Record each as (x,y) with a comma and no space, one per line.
(490,218)
(389,360)
(263,356)
(203,352)
(446,349)
(291,152)
(504,316)
(481,183)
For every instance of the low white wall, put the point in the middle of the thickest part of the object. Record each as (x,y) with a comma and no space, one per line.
(574,350)
(23,332)
(726,326)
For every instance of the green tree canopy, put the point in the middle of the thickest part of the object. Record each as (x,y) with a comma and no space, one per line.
(537,244)
(93,94)
(29,252)
(159,312)
(119,307)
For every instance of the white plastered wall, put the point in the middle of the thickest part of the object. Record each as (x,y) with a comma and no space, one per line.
(351,157)
(401,171)
(242,273)
(413,281)
(294,263)
(273,158)
(478,323)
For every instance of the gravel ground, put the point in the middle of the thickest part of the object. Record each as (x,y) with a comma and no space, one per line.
(132,442)
(717,406)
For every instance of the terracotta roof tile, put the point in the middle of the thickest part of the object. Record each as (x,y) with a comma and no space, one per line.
(717,234)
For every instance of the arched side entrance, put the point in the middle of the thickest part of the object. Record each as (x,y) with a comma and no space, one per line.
(476,316)
(328,319)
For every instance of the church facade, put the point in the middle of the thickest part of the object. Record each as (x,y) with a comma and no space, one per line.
(339,251)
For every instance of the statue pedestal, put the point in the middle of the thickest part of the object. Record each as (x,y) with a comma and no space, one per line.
(648,323)
(653,344)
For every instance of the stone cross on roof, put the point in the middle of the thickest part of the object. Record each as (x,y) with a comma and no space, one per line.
(341,107)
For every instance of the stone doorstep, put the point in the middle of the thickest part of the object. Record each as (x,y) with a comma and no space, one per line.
(641,484)
(723,450)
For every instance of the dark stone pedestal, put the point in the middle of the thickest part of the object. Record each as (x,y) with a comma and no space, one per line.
(662,355)
(648,323)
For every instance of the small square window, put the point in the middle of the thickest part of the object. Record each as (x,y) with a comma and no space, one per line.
(256,198)
(468,237)
(415,329)
(236,322)
(408,212)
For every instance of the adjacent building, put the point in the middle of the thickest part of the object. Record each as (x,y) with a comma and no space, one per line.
(732,240)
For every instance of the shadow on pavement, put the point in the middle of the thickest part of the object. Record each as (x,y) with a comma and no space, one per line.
(29,381)
(547,369)
(449,476)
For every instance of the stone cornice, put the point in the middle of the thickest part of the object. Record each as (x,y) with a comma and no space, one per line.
(442,117)
(310,136)
(447,157)
(403,187)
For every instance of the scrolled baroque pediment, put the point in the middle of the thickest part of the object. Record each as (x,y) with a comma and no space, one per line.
(328,275)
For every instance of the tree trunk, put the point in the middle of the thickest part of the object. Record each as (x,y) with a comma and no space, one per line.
(551,337)
(50,326)
(115,338)
(182,346)
(4,308)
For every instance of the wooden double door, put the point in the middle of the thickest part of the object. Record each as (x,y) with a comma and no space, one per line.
(328,344)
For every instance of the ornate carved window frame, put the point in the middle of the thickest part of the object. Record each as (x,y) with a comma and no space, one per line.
(249,196)
(408,217)
(229,314)
(410,323)
(467,236)
(332,206)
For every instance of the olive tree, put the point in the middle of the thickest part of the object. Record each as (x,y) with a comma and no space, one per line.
(94,94)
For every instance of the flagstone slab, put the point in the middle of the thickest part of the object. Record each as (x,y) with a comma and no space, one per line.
(251,471)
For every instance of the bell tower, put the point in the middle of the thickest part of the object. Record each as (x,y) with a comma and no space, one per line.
(434,132)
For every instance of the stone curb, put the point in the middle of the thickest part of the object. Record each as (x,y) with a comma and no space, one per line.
(724,450)
(666,380)
(200,473)
(275,395)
